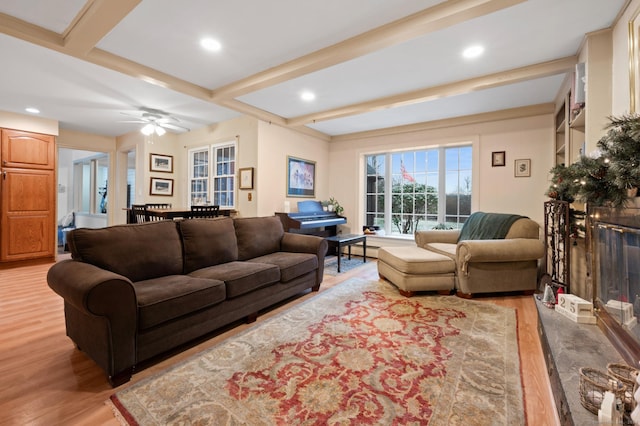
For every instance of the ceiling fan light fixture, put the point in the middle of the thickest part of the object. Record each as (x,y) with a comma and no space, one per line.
(148,129)
(160,131)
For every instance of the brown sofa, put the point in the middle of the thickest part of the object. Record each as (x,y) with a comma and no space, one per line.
(132,292)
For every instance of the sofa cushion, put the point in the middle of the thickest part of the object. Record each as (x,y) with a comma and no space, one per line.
(139,251)
(416,260)
(241,277)
(487,226)
(208,242)
(258,236)
(292,265)
(163,299)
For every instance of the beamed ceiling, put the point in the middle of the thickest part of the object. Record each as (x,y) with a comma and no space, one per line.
(372,64)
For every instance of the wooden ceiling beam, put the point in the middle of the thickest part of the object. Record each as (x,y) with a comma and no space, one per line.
(26,31)
(465,120)
(94,22)
(502,78)
(440,16)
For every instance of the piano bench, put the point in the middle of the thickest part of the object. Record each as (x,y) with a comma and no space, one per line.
(413,269)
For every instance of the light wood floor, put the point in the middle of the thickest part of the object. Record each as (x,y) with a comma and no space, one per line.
(44,380)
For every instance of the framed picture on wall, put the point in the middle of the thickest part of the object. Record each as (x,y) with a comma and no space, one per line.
(522,168)
(161,186)
(246,178)
(161,163)
(498,159)
(301,177)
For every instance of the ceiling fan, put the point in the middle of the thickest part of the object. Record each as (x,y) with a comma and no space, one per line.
(156,121)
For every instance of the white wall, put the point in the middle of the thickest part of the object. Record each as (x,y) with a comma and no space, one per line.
(28,123)
(494,188)
(242,129)
(275,143)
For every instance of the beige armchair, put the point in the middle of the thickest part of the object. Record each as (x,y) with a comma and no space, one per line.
(481,265)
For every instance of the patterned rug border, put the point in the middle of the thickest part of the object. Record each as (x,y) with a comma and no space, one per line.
(123,415)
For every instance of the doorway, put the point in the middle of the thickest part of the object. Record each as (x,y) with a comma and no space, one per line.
(83,191)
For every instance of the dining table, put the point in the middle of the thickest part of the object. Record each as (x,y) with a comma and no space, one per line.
(180,213)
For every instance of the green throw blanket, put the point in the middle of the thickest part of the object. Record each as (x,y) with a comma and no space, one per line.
(487,226)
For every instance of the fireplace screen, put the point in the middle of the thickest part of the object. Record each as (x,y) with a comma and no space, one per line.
(616,248)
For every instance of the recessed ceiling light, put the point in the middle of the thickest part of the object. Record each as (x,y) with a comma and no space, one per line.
(32,110)
(473,51)
(307,96)
(210,44)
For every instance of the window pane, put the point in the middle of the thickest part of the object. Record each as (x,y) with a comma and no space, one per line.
(415,189)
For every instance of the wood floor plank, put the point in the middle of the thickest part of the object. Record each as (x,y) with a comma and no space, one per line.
(46,381)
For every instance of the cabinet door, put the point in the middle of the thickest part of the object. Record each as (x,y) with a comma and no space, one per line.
(28,214)
(25,149)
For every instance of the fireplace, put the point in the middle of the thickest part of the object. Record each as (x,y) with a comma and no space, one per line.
(615,271)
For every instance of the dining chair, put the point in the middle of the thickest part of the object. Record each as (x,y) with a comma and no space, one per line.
(139,213)
(204,211)
(157,206)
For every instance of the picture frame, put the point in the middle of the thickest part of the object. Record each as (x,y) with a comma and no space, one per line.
(160,186)
(301,177)
(498,159)
(161,163)
(245,178)
(522,167)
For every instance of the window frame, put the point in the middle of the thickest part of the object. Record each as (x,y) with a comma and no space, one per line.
(388,176)
(212,170)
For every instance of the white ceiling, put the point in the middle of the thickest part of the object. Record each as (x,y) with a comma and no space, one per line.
(372,64)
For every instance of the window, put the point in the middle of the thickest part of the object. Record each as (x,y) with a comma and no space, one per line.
(212,172)
(417,190)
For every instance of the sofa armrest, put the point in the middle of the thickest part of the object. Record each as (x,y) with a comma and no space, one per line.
(105,325)
(81,284)
(509,250)
(301,243)
(449,236)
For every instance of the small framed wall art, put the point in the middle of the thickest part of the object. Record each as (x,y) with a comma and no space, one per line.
(301,177)
(246,178)
(522,168)
(161,187)
(498,159)
(161,163)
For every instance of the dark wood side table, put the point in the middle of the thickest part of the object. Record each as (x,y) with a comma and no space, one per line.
(347,240)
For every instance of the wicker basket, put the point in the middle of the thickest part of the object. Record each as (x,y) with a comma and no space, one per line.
(627,375)
(593,385)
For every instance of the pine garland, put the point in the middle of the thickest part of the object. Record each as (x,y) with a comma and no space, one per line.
(603,181)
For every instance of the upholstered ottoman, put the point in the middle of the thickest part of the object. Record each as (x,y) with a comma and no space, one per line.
(414,269)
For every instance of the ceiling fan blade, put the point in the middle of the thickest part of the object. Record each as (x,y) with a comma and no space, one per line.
(132,121)
(173,127)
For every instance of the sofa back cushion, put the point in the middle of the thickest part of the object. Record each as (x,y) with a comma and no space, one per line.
(258,236)
(139,252)
(208,242)
(487,226)
(524,228)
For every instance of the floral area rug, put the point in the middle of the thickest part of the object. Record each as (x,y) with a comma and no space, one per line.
(358,353)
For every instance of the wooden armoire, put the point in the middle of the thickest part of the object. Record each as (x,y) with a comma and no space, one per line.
(27,196)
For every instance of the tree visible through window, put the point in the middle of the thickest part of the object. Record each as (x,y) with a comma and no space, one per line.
(415,190)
